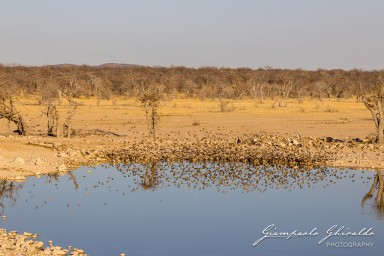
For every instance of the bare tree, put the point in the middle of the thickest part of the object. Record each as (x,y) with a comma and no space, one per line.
(9,112)
(67,129)
(256,86)
(8,90)
(150,99)
(374,101)
(53,120)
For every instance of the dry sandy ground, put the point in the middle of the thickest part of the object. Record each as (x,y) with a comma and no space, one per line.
(189,119)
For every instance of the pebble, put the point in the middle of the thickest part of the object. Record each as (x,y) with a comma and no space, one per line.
(39,245)
(38,161)
(19,160)
(62,168)
(57,144)
(63,154)
(295,142)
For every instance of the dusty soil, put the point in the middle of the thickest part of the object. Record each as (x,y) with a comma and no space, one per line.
(184,120)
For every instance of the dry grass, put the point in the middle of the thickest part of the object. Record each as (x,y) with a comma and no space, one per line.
(126,116)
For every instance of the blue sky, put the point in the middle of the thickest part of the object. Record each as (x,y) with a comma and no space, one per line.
(304,34)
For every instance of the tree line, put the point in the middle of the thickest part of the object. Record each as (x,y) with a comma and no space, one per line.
(205,82)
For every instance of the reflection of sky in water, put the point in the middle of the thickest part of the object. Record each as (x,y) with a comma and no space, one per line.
(104,217)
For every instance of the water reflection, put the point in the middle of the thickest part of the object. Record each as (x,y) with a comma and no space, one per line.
(221,207)
(378,184)
(223,177)
(150,178)
(8,191)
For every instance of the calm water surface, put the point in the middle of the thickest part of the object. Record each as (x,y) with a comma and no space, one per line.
(194,210)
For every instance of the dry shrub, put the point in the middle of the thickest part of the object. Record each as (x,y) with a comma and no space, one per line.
(282,104)
(196,123)
(331,109)
(226,106)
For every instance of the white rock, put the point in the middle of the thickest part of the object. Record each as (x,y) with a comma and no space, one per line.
(295,142)
(39,245)
(63,154)
(57,144)
(20,178)
(62,168)
(38,161)
(19,160)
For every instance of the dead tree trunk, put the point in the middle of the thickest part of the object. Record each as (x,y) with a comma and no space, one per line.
(60,97)
(154,119)
(151,103)
(68,122)
(375,106)
(53,120)
(380,120)
(8,111)
(379,201)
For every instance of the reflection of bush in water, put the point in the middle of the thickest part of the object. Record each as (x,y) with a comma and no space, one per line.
(229,176)
(8,190)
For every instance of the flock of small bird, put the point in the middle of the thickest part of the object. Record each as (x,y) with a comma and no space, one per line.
(261,149)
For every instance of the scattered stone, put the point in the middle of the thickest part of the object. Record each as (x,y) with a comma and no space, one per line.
(73,153)
(19,178)
(38,161)
(62,168)
(295,142)
(63,154)
(357,140)
(14,244)
(57,144)
(27,234)
(19,160)
(59,252)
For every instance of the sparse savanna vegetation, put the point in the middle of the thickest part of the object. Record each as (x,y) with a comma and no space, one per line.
(51,85)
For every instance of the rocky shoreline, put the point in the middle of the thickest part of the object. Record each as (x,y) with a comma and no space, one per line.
(14,244)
